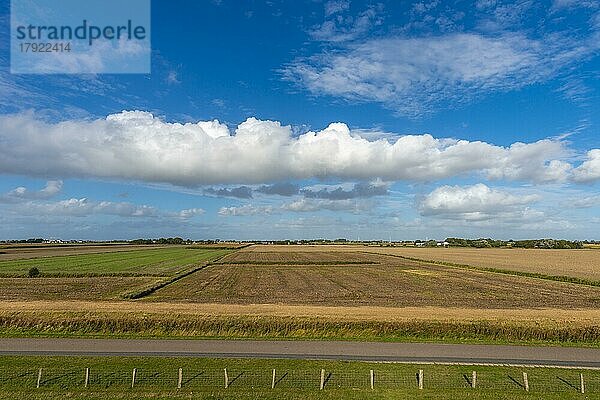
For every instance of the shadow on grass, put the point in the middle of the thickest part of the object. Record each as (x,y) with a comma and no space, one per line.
(194,377)
(236,378)
(516,382)
(282,377)
(566,382)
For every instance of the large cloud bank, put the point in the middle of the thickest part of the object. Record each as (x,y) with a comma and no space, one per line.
(135,145)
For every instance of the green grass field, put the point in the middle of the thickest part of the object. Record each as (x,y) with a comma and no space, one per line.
(155,262)
(111,378)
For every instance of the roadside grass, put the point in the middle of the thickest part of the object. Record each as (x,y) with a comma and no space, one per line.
(145,325)
(146,262)
(156,377)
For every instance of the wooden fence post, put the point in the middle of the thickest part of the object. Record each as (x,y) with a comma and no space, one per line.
(372,375)
(420,379)
(134,373)
(474,380)
(273,381)
(39,380)
(179,378)
(322,379)
(525,381)
(581,383)
(87,377)
(226,379)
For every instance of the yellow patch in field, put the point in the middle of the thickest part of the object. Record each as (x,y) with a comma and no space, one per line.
(419,272)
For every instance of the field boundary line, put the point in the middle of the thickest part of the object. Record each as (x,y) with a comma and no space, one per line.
(555,278)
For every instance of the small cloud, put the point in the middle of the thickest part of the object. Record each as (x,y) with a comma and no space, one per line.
(173,78)
(189,213)
(312,205)
(360,190)
(589,170)
(281,189)
(336,6)
(21,193)
(240,192)
(218,102)
(245,210)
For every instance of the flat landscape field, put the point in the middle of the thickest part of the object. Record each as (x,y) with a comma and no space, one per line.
(91,275)
(348,276)
(141,261)
(82,288)
(15,252)
(580,263)
(282,291)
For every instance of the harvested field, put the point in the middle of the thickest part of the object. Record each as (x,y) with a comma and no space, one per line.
(97,288)
(380,281)
(582,263)
(24,252)
(294,255)
(153,261)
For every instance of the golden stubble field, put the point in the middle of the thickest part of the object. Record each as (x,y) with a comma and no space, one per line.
(354,276)
(580,263)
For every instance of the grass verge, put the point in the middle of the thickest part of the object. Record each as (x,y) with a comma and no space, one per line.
(144,325)
(111,378)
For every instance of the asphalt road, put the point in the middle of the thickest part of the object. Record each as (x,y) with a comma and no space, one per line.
(318,350)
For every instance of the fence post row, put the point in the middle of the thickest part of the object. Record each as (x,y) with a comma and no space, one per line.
(420,379)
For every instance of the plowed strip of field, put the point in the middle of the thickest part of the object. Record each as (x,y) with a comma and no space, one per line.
(376,285)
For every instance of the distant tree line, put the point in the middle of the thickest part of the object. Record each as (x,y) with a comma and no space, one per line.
(524,244)
(175,240)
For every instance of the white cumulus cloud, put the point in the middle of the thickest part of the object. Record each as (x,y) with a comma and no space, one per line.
(474,202)
(135,145)
(589,170)
(21,193)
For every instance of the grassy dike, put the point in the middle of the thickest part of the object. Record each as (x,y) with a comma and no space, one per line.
(146,325)
(111,378)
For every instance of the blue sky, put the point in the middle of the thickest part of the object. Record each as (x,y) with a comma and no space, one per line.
(267,120)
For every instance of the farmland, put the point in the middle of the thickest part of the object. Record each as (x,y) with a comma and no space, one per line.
(348,276)
(583,264)
(143,262)
(95,275)
(333,292)
(16,252)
